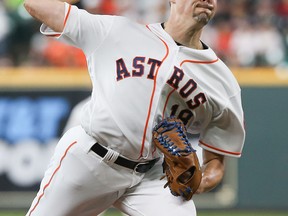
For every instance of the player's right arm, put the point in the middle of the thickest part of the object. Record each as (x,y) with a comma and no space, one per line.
(70,24)
(49,12)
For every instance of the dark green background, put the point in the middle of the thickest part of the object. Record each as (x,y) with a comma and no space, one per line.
(263,167)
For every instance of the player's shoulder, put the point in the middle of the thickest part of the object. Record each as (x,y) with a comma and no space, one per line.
(124,25)
(229,79)
(122,20)
(104,17)
(226,75)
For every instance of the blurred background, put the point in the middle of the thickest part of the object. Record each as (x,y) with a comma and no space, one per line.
(44,82)
(244,33)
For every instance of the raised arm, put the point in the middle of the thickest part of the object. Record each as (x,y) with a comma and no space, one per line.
(213,171)
(50,12)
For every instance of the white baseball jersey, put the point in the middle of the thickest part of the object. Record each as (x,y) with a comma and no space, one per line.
(140,75)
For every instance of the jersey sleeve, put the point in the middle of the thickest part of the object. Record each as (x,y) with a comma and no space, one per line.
(225,134)
(82,29)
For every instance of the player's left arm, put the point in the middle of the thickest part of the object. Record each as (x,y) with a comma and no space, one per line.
(213,170)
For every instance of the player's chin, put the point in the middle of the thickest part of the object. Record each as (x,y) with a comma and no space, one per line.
(202,18)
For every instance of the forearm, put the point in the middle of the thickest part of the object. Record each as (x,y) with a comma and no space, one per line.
(213,170)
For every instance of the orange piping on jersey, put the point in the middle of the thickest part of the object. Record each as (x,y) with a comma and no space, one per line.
(64,24)
(220,150)
(154,150)
(167,102)
(199,62)
(54,35)
(152,96)
(67,15)
(55,171)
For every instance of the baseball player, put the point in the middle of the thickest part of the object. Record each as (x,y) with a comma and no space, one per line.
(140,75)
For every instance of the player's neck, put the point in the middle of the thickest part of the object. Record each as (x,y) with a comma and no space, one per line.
(186,37)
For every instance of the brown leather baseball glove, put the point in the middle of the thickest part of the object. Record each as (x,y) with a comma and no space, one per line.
(181,165)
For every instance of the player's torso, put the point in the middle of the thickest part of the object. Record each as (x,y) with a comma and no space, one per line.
(142,77)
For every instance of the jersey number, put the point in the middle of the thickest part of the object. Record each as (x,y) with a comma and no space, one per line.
(186,114)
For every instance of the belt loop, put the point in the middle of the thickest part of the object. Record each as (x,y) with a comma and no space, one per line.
(110,157)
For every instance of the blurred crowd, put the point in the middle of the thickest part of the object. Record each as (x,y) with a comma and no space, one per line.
(244,33)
